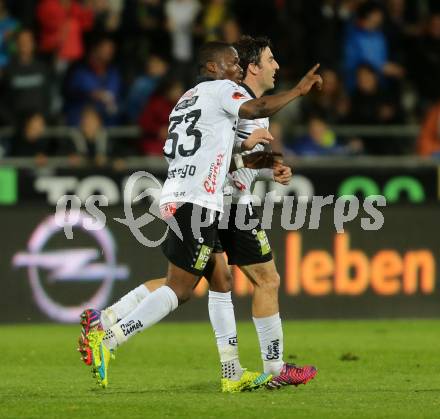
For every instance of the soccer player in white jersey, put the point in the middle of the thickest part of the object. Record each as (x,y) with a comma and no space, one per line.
(195,134)
(249,249)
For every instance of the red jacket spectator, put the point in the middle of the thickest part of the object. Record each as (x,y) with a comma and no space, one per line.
(62,25)
(154,123)
(154,119)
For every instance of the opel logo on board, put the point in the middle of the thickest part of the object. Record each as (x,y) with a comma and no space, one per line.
(73,265)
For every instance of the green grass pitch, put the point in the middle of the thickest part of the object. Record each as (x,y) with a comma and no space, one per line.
(367,369)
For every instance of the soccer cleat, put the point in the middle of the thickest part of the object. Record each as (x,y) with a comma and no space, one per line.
(292,375)
(248,381)
(90,320)
(259,380)
(100,355)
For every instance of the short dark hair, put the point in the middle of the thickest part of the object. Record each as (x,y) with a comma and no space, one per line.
(250,49)
(210,51)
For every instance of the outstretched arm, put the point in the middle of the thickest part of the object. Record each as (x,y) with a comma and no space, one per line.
(268,105)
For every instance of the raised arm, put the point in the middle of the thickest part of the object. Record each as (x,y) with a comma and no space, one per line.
(268,105)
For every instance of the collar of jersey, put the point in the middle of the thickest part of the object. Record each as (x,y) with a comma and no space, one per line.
(248,89)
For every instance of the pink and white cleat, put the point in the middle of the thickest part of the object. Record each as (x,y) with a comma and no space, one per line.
(292,375)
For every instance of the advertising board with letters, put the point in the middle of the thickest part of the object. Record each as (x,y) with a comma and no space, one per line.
(390,272)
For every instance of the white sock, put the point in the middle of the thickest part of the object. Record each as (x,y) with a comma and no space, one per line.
(149,311)
(221,314)
(124,306)
(270,335)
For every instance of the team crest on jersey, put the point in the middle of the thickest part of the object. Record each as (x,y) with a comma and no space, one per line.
(210,183)
(237,95)
(186,103)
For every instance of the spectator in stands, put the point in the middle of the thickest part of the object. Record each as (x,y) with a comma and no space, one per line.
(90,141)
(373,105)
(97,82)
(25,82)
(62,24)
(156,67)
(8,27)
(365,42)
(331,102)
(425,62)
(154,119)
(319,141)
(30,141)
(428,143)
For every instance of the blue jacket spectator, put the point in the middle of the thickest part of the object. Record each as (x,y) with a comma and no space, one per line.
(365,43)
(96,84)
(145,85)
(361,47)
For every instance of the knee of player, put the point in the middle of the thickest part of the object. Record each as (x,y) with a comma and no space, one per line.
(184,295)
(268,281)
(228,282)
(221,284)
(183,291)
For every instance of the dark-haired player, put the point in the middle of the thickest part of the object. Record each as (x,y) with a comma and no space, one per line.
(201,135)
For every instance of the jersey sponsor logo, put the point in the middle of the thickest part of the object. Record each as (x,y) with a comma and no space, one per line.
(264,242)
(210,183)
(237,95)
(183,172)
(186,103)
(273,350)
(130,327)
(202,260)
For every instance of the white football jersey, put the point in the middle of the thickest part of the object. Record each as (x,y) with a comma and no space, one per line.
(200,142)
(239,183)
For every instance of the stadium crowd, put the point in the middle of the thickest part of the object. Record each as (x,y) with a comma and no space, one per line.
(94,64)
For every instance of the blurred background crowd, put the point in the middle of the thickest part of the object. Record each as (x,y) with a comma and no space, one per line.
(93,65)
